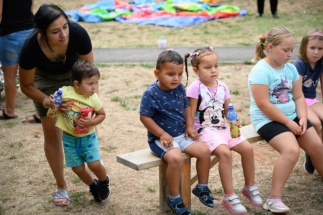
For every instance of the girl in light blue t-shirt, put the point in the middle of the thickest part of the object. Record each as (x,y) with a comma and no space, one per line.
(278,111)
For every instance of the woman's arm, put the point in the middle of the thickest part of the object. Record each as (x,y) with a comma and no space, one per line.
(88,57)
(26,78)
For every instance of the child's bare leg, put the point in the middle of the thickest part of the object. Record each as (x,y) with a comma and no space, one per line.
(83,174)
(225,167)
(98,169)
(245,149)
(312,145)
(314,118)
(202,153)
(286,144)
(174,161)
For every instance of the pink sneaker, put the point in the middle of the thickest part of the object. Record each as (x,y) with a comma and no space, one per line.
(253,195)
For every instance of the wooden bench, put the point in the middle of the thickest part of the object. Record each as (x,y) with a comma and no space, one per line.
(145,159)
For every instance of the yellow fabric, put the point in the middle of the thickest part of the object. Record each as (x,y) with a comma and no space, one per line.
(184,6)
(68,124)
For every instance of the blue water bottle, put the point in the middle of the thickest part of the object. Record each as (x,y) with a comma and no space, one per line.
(53,111)
(232,117)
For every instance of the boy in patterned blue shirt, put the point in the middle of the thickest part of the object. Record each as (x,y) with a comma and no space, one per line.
(166,113)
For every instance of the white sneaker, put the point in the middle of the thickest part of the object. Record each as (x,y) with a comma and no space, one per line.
(232,204)
(253,195)
(276,206)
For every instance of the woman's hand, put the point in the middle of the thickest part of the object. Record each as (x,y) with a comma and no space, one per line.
(191,132)
(48,101)
(303,125)
(63,107)
(294,127)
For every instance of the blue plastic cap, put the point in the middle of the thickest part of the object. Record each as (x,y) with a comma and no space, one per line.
(60,91)
(162,38)
(231,107)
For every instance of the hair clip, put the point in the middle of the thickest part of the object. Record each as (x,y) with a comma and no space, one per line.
(316,34)
(263,44)
(211,47)
(266,35)
(194,53)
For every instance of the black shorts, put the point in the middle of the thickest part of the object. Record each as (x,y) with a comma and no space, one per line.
(272,129)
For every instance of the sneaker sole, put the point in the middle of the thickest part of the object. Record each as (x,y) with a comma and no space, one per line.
(257,205)
(266,207)
(307,171)
(224,205)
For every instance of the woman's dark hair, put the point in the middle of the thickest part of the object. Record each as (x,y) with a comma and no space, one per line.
(46,14)
(83,69)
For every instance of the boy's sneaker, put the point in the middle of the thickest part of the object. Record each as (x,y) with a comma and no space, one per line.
(104,187)
(178,207)
(276,206)
(253,195)
(204,194)
(232,204)
(95,191)
(308,166)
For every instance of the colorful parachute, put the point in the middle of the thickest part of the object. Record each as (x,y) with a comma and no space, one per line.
(172,13)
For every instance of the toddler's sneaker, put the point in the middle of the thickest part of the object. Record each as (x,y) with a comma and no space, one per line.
(204,194)
(253,195)
(232,204)
(95,191)
(308,165)
(276,206)
(178,207)
(104,187)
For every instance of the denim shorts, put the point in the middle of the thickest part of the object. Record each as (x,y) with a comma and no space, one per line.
(80,149)
(10,46)
(179,142)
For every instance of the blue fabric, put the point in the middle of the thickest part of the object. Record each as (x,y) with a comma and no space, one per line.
(10,47)
(86,17)
(280,83)
(166,108)
(80,149)
(311,76)
(106,5)
(175,22)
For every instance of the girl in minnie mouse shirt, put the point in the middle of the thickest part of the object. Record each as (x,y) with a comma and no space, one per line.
(209,99)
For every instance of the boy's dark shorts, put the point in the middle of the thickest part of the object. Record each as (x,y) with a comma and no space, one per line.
(272,129)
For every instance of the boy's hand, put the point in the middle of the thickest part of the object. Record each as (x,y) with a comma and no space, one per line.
(48,101)
(86,122)
(192,132)
(294,127)
(238,122)
(167,140)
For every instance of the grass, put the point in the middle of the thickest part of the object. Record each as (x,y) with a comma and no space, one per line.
(240,30)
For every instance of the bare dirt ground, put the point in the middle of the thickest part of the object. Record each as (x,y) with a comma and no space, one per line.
(27,184)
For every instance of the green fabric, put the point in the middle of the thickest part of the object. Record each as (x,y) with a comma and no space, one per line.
(111,16)
(99,11)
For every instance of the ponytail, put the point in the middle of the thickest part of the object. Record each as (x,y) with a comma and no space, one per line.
(260,49)
(185,61)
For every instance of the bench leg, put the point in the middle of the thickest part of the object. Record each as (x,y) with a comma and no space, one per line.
(163,189)
(185,188)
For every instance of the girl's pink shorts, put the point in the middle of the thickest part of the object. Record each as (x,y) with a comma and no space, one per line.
(214,138)
(310,102)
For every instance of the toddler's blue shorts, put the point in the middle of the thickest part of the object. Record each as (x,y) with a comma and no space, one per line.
(80,149)
(10,46)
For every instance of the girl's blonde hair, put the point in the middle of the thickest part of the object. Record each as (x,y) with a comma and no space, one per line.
(197,55)
(306,38)
(275,37)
